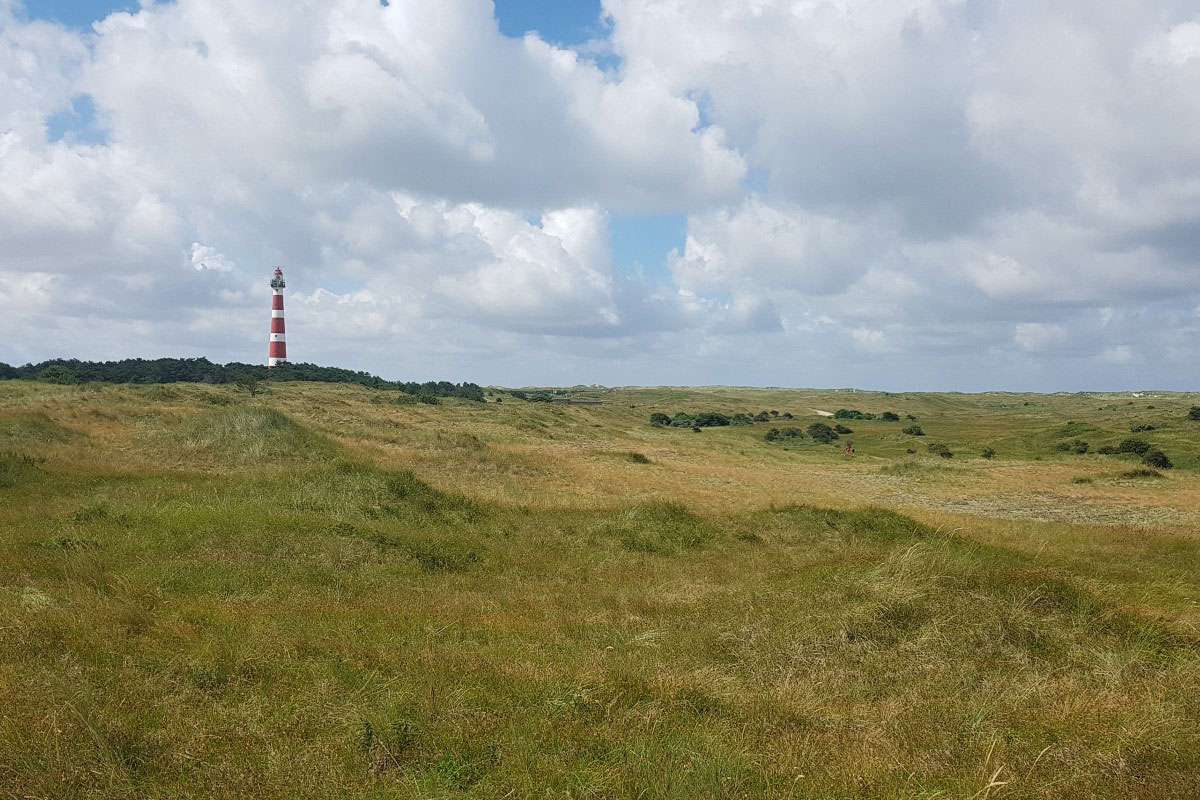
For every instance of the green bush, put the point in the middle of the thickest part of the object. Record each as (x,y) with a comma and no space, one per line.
(988,453)
(1194,414)
(1137,447)
(1077,446)
(659,419)
(779,435)
(821,432)
(890,416)
(1157,459)
(940,450)
(851,413)
(1142,428)
(913,430)
(840,428)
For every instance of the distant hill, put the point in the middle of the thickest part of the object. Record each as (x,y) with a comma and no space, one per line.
(201,370)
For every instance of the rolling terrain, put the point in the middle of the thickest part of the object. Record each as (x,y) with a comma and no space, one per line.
(320,592)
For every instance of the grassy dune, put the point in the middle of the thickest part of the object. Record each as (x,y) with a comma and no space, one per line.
(318,593)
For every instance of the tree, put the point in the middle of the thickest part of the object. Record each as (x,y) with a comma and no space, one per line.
(59,374)
(659,419)
(247,383)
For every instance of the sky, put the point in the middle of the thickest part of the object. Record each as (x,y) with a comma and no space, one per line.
(886,194)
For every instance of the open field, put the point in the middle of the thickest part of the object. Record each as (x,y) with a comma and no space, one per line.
(321,593)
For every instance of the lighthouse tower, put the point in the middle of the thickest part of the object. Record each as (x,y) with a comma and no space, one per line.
(277,344)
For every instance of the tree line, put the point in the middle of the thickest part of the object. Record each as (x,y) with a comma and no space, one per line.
(201,370)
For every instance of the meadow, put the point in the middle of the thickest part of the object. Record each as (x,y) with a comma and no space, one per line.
(319,592)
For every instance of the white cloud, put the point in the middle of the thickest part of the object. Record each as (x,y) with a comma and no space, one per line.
(918,193)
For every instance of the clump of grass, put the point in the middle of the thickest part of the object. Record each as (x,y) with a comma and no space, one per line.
(1141,473)
(17,468)
(1082,479)
(658,528)
(34,428)
(637,458)
(245,435)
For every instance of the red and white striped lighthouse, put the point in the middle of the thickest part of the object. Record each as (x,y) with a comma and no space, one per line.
(277,344)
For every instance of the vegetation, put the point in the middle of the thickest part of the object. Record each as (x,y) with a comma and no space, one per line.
(317,593)
(988,453)
(783,434)
(914,430)
(201,370)
(940,450)
(1194,413)
(820,432)
(1157,459)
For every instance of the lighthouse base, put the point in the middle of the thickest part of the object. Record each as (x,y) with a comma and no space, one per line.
(271,362)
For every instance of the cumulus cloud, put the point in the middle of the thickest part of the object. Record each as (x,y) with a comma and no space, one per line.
(883,193)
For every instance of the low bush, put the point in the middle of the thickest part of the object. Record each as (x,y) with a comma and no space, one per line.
(842,429)
(762,416)
(1157,459)
(851,413)
(1077,446)
(890,416)
(659,419)
(988,453)
(1107,450)
(821,432)
(783,434)
(1137,447)
(940,450)
(741,419)
(1142,428)
(914,430)
(1194,414)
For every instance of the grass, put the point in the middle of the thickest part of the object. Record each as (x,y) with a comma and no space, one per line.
(314,594)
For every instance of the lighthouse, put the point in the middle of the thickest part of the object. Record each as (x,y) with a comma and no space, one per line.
(277,344)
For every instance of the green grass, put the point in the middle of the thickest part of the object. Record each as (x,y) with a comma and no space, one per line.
(180,618)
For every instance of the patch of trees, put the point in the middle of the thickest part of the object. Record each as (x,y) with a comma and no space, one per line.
(854,413)
(201,370)
(705,419)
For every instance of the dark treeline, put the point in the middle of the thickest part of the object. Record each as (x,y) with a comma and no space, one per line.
(201,370)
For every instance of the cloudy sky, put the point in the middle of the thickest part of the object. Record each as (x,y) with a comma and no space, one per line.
(896,194)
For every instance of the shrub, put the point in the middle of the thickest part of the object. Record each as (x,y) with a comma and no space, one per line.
(1157,459)
(940,450)
(1142,428)
(910,417)
(1194,414)
(762,416)
(890,416)
(914,430)
(1077,446)
(711,419)
(787,415)
(659,419)
(840,428)
(988,453)
(741,419)
(851,413)
(822,433)
(1137,447)
(1107,450)
(637,458)
(778,435)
